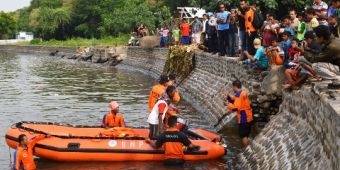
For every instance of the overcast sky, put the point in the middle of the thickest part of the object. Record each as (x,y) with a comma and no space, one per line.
(12,5)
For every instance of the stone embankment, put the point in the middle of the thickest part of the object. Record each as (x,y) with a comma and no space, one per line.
(105,55)
(304,134)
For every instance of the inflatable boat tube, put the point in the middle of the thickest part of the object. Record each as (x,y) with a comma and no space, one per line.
(94,143)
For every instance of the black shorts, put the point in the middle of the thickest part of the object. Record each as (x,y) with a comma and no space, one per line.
(244,129)
(173,162)
(153,131)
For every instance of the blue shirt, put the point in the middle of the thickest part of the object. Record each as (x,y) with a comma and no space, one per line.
(261,57)
(331,11)
(290,30)
(222,16)
(285,45)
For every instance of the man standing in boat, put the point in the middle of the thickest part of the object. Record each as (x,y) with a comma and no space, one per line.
(113,118)
(157,91)
(239,102)
(173,141)
(161,111)
(157,115)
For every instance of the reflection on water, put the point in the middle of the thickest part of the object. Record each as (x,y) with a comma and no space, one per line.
(41,88)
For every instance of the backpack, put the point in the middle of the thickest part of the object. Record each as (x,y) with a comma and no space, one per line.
(258,20)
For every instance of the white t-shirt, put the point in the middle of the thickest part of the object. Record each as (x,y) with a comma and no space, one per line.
(153,116)
(321,7)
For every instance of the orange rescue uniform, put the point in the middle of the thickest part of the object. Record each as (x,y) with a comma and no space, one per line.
(112,120)
(24,156)
(156,92)
(173,142)
(241,104)
(249,17)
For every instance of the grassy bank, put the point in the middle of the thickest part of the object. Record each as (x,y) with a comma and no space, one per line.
(81,42)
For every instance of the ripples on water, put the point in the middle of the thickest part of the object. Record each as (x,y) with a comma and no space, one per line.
(42,88)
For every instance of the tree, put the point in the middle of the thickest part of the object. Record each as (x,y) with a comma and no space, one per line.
(127,15)
(86,17)
(7,26)
(46,4)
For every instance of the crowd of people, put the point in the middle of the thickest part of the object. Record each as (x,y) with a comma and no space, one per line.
(262,41)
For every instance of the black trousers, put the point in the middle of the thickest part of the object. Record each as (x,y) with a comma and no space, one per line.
(212,43)
(249,42)
(153,131)
(222,42)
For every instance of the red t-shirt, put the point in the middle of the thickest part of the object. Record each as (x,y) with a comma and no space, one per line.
(161,108)
(185,29)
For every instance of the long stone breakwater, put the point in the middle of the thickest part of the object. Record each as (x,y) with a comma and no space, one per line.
(303,128)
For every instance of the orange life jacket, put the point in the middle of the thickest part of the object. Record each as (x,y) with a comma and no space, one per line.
(156,92)
(112,120)
(24,156)
(173,142)
(241,104)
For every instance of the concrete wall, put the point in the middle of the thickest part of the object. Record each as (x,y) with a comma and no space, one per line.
(148,61)
(206,86)
(303,135)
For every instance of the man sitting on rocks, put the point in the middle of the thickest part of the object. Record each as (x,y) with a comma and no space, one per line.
(259,61)
(330,47)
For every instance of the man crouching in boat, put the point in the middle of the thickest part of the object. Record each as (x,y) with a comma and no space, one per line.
(173,141)
(113,118)
(239,102)
(24,154)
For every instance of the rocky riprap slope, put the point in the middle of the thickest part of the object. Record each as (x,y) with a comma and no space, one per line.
(303,135)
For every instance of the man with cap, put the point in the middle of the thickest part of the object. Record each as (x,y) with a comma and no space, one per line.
(259,60)
(113,118)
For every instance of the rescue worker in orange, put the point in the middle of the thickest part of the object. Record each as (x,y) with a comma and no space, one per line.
(173,142)
(24,156)
(157,91)
(113,118)
(239,102)
(172,110)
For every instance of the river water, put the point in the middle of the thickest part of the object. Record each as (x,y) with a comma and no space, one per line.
(43,88)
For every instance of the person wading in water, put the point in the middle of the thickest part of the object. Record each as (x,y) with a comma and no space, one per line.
(239,102)
(24,154)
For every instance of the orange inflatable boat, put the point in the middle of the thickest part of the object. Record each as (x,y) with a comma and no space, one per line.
(94,143)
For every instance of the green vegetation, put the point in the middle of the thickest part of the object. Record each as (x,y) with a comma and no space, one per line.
(179,61)
(7,25)
(53,20)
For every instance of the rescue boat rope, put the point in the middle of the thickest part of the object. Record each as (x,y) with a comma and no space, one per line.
(10,157)
(21,127)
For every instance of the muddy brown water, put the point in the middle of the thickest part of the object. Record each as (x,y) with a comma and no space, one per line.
(43,88)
